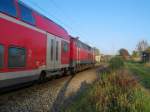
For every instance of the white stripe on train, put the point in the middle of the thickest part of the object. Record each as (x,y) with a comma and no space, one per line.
(18,74)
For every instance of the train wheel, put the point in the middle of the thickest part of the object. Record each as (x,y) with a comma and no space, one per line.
(65,73)
(42,77)
(73,72)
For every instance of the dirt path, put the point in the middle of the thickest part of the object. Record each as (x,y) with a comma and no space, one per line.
(79,80)
(46,97)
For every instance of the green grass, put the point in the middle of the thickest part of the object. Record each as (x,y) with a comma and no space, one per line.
(114,92)
(140,71)
(116,63)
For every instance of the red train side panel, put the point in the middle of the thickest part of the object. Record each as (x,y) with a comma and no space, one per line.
(18,36)
(52,28)
(30,45)
(81,55)
(49,26)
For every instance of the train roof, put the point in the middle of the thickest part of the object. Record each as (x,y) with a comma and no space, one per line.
(62,32)
(79,41)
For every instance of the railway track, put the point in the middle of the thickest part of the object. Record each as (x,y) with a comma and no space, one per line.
(46,97)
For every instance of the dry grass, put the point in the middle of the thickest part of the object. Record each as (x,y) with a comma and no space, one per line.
(147,65)
(115,92)
(118,93)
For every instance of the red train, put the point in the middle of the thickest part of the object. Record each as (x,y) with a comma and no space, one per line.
(33,47)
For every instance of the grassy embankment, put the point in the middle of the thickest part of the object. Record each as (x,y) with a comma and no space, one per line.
(141,72)
(117,91)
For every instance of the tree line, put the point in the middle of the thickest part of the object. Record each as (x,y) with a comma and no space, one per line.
(142,46)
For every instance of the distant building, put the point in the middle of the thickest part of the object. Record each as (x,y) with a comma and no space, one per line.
(105,58)
(98,58)
(98,55)
(146,57)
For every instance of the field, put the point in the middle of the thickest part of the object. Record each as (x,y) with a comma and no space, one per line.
(141,72)
(123,90)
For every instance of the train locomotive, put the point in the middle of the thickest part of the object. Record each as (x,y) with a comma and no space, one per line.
(33,47)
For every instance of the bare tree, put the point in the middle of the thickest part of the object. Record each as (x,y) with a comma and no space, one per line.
(142,46)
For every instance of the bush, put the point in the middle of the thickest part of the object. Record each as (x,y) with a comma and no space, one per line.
(119,92)
(115,92)
(116,63)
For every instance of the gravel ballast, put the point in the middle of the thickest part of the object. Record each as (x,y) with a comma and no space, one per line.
(46,97)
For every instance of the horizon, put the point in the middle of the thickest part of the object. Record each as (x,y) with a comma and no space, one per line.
(107,25)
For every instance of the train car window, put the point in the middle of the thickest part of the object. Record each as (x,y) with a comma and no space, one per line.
(16,57)
(57,50)
(65,46)
(1,56)
(52,47)
(26,14)
(8,7)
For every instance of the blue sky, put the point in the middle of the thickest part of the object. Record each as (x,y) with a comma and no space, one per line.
(107,24)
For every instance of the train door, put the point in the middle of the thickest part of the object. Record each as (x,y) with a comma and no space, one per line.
(57,52)
(50,52)
(53,52)
(78,52)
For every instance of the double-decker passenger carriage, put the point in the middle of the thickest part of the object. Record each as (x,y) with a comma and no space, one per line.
(81,55)
(31,46)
